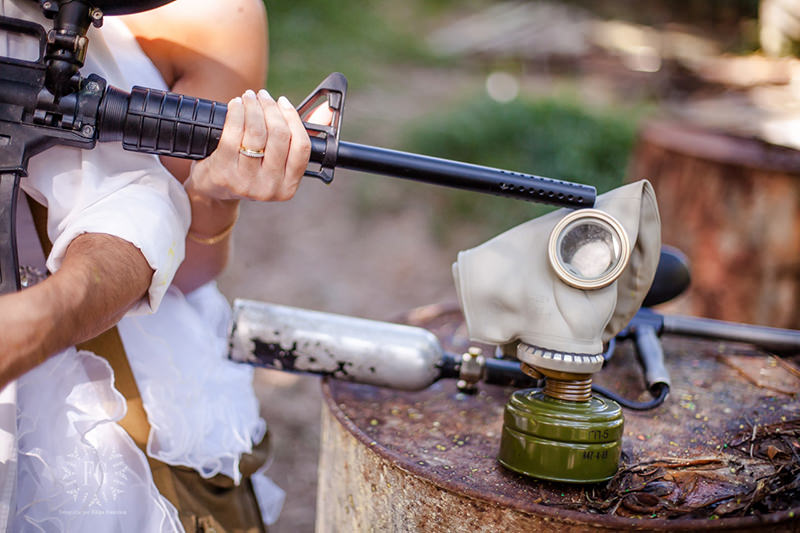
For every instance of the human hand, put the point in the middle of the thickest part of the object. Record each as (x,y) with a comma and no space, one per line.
(262,154)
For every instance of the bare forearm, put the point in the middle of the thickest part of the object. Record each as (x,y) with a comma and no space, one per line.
(101,277)
(206,255)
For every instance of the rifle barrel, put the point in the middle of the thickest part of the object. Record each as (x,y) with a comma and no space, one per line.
(456,174)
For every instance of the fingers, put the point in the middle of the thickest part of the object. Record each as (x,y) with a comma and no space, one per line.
(229,141)
(277,147)
(299,150)
(254,137)
(207,176)
(257,123)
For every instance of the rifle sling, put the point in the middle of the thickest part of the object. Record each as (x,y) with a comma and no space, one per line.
(108,345)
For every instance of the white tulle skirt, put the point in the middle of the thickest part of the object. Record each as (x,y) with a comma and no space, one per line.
(80,471)
(201,406)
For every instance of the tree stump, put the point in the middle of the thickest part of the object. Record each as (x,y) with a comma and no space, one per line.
(732,204)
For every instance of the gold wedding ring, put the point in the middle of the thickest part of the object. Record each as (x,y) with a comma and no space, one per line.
(247,152)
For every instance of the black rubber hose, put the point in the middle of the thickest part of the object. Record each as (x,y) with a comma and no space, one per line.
(660,391)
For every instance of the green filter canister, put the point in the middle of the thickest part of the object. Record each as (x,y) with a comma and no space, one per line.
(559,440)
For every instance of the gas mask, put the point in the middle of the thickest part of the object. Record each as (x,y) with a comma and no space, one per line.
(565,282)
(558,287)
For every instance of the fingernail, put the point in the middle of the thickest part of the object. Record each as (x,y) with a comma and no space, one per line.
(237,100)
(249,93)
(285,102)
(264,94)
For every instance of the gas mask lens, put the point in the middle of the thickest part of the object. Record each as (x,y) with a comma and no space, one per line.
(588,249)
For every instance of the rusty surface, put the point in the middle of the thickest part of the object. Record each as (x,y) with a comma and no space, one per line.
(722,452)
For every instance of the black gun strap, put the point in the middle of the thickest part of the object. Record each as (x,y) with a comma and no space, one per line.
(39,213)
(108,345)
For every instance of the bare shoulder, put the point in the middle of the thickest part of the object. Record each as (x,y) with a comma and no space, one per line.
(186,21)
(206,39)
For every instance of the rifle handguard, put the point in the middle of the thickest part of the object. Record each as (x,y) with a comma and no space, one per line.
(160,122)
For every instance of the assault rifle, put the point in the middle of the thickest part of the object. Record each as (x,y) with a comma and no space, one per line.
(46,102)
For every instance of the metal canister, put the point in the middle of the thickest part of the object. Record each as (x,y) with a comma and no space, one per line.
(558,440)
(344,347)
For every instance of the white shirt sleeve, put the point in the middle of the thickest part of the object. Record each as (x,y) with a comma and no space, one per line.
(108,190)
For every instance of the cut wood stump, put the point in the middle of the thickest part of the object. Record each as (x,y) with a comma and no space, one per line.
(732,204)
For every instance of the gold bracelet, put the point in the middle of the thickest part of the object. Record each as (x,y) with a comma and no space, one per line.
(214,239)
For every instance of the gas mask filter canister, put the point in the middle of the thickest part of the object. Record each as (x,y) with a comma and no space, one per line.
(559,286)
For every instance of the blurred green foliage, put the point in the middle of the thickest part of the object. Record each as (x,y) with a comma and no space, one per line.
(554,137)
(557,138)
(310,39)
